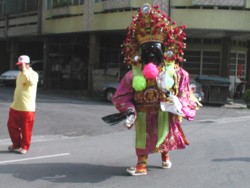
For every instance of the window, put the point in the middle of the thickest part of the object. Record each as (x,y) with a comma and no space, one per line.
(17,6)
(217,42)
(207,41)
(196,41)
(2,10)
(193,62)
(211,63)
(77,2)
(62,3)
(238,64)
(202,62)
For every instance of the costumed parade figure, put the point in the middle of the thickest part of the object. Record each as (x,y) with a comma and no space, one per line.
(155,94)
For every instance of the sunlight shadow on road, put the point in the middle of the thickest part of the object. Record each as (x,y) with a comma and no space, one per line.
(243,159)
(63,172)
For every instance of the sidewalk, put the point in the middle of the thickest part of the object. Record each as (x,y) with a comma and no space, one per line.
(235,103)
(66,94)
(77,95)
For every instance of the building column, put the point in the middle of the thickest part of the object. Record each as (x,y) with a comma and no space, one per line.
(5,55)
(225,61)
(94,54)
(14,52)
(46,75)
(248,63)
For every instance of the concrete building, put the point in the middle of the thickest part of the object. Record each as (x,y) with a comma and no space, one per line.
(76,37)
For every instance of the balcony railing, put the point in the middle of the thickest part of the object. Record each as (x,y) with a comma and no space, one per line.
(114,4)
(230,3)
(63,3)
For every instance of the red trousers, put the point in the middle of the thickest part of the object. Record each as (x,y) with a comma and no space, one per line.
(20,125)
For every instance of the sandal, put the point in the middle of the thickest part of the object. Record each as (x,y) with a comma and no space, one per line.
(136,172)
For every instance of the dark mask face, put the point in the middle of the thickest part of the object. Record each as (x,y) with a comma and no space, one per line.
(152,52)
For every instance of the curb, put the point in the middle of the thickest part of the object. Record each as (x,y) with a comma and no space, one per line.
(235,105)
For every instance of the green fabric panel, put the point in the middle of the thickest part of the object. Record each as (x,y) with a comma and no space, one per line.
(163,127)
(141,134)
(170,69)
(137,70)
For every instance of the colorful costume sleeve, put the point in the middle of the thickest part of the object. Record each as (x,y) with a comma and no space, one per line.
(189,106)
(123,98)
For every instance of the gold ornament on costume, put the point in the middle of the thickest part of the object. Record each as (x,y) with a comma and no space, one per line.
(151,25)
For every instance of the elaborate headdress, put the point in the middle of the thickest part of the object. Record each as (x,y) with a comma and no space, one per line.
(151,25)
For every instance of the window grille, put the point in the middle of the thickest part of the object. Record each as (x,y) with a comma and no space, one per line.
(202,62)
(238,60)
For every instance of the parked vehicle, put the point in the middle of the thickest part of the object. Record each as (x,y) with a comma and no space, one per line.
(8,78)
(107,90)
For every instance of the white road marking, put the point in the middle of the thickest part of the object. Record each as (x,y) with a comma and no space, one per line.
(34,158)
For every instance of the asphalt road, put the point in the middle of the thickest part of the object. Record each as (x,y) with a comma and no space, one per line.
(72,147)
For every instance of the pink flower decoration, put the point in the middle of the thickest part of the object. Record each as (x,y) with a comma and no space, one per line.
(150,71)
